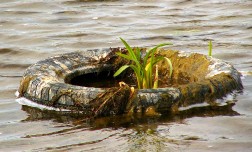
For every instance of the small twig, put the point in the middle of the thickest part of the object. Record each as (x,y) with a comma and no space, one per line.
(102,105)
(10,76)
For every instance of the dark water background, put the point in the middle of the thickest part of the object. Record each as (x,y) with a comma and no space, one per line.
(33,30)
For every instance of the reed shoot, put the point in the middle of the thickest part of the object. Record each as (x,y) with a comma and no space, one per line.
(144,67)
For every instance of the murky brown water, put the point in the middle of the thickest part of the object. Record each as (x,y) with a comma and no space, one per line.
(32,30)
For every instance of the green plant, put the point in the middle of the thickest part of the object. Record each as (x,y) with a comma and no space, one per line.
(143,67)
(210,47)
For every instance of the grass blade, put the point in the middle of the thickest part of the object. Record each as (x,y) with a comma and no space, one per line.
(155,86)
(131,52)
(210,46)
(125,56)
(120,70)
(138,75)
(138,54)
(154,49)
(170,65)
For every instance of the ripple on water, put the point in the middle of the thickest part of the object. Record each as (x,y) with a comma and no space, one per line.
(34,30)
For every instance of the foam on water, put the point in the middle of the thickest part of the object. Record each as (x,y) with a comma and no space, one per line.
(24,101)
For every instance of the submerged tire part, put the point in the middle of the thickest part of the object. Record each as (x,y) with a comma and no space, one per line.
(203,79)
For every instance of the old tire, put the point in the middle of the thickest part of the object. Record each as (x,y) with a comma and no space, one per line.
(45,83)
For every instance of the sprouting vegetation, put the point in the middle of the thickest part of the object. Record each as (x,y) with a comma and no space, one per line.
(210,47)
(145,68)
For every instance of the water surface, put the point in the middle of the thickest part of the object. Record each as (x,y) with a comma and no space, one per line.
(34,30)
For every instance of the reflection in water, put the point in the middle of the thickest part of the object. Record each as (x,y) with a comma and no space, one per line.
(129,120)
(142,132)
